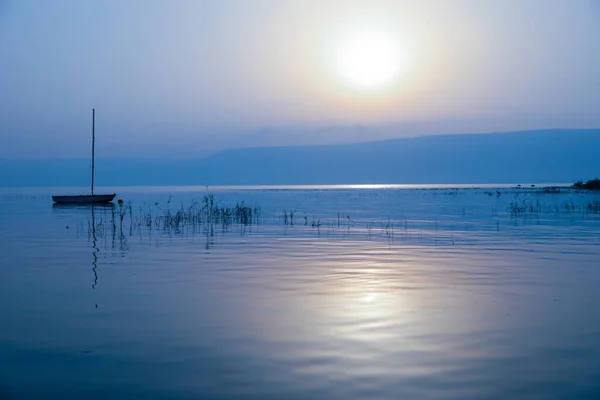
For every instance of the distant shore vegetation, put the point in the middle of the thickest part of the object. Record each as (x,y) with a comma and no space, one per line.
(592,184)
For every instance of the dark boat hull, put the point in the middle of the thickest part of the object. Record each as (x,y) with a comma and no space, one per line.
(84,199)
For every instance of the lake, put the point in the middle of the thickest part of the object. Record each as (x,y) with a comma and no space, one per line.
(344,292)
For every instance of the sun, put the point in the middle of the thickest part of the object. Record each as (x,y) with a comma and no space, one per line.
(369,60)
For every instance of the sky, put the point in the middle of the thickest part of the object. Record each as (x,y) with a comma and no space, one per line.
(189,78)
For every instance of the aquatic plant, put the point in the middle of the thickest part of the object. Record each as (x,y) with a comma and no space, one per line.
(594,207)
(517,209)
(205,212)
(592,184)
(551,190)
(209,216)
(288,218)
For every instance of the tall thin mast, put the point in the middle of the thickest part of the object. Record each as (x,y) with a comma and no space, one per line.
(93,143)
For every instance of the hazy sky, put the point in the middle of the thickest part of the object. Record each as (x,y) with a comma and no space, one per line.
(191,77)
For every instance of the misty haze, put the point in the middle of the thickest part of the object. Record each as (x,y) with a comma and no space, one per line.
(300,200)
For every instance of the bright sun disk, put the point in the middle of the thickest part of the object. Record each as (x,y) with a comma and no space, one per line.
(369,60)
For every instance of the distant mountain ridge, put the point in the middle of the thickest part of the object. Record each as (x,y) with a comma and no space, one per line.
(505,157)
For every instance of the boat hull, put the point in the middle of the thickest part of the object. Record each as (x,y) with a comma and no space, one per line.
(84,199)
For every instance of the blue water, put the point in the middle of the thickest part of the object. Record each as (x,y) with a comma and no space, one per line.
(371,292)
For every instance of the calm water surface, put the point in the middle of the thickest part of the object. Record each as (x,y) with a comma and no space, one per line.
(367,292)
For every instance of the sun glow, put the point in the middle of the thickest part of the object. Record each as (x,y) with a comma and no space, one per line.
(369,298)
(370,60)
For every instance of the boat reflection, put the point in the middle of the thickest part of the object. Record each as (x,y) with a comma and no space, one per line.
(95,248)
(65,206)
(101,225)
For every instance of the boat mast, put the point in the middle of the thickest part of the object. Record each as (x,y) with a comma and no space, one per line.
(93,142)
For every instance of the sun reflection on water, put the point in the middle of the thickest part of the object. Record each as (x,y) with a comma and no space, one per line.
(369,298)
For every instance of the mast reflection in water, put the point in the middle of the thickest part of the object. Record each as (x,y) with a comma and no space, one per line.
(97,226)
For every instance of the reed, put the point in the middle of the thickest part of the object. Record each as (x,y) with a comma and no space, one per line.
(593,207)
(196,215)
(209,216)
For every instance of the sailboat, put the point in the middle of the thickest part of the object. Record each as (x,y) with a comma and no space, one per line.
(87,198)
